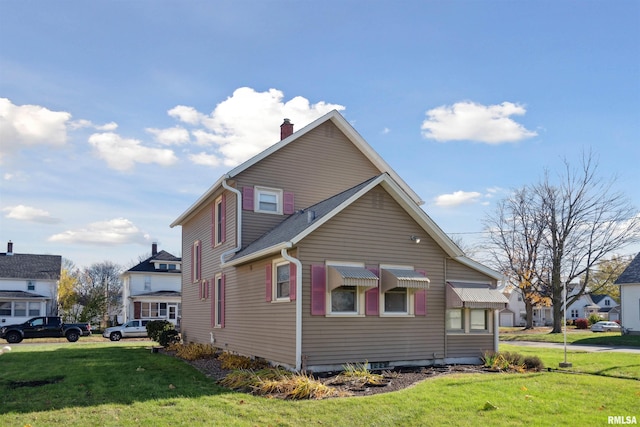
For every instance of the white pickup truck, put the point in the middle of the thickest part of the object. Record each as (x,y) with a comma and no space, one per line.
(131,329)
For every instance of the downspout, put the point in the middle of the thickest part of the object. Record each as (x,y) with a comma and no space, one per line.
(238,220)
(446,340)
(298,264)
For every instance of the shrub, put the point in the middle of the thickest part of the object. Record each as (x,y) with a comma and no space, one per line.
(155,328)
(582,323)
(168,337)
(533,363)
(594,318)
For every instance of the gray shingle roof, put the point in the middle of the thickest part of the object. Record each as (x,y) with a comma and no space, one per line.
(631,274)
(20,295)
(299,222)
(27,266)
(148,266)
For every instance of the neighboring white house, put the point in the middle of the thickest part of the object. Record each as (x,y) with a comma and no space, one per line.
(516,314)
(28,285)
(629,282)
(151,289)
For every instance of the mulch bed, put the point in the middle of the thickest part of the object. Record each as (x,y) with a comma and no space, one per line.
(393,380)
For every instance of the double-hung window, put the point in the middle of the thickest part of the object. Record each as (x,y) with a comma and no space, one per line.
(196,258)
(268,200)
(395,301)
(455,320)
(280,281)
(218,220)
(478,320)
(217,306)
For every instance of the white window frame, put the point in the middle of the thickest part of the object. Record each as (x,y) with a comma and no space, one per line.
(359,298)
(280,262)
(462,320)
(278,193)
(217,285)
(410,299)
(31,285)
(217,218)
(473,313)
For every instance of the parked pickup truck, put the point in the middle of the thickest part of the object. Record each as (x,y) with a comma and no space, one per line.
(45,327)
(131,329)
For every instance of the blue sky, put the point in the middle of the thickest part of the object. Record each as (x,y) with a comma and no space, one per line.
(116,116)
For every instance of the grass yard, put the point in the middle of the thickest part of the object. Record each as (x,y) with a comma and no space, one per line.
(126,385)
(574,336)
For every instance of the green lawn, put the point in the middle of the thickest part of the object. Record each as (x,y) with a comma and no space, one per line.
(574,336)
(126,385)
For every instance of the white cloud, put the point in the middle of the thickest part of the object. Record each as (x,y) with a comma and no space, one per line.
(28,213)
(457,198)
(187,114)
(248,122)
(82,123)
(122,154)
(205,159)
(170,136)
(112,232)
(30,125)
(474,122)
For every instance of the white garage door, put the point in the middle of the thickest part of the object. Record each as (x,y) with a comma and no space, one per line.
(506,319)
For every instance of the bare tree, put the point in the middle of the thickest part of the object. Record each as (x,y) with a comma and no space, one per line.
(585,220)
(516,232)
(581,219)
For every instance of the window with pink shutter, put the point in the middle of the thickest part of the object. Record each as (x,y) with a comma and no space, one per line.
(318,290)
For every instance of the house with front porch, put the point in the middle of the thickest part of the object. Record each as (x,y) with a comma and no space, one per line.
(151,289)
(28,285)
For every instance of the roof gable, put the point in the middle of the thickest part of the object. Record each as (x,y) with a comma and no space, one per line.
(148,264)
(342,124)
(28,266)
(631,274)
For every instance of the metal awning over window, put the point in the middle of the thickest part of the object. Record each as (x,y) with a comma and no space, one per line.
(474,295)
(342,275)
(399,278)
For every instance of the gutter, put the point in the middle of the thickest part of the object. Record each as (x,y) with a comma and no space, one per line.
(298,264)
(238,220)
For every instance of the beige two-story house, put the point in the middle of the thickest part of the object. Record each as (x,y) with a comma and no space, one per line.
(315,253)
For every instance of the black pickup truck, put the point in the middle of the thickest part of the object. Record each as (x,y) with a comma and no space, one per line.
(45,327)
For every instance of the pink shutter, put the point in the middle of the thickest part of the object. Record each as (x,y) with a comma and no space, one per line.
(213,303)
(371,297)
(268,283)
(223,219)
(318,290)
(200,290)
(288,205)
(222,297)
(293,280)
(213,225)
(199,255)
(420,299)
(247,198)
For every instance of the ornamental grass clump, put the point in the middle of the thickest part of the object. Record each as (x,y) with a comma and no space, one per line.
(275,382)
(193,351)
(358,374)
(235,361)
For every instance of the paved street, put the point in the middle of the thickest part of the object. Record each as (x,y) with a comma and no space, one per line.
(574,347)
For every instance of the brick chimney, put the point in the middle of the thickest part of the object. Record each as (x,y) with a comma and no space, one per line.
(154,249)
(286,129)
(10,248)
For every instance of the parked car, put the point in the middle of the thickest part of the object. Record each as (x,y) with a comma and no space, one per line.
(45,327)
(604,326)
(131,329)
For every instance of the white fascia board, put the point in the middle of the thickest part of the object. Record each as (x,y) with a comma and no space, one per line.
(194,207)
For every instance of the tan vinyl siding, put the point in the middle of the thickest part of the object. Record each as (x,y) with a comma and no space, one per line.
(457,272)
(469,345)
(374,236)
(316,166)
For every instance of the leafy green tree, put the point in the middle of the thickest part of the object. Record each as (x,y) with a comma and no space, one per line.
(604,275)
